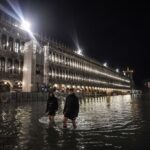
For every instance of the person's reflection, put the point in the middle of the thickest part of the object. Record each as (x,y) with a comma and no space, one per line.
(62,139)
(70,140)
(52,138)
(108,101)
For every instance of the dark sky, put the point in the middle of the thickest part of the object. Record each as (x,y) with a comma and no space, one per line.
(117,32)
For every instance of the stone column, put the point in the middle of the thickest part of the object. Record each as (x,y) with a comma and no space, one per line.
(19,66)
(6,61)
(27,68)
(7,42)
(13,65)
(46,64)
(0,41)
(33,61)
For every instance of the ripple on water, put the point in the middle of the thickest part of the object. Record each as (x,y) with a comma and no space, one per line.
(114,123)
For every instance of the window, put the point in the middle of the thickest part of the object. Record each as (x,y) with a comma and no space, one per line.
(16,66)
(17,46)
(38,69)
(10,44)
(4,41)
(22,47)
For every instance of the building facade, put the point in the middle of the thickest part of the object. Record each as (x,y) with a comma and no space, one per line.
(30,64)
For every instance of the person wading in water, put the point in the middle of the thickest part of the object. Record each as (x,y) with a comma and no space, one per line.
(71,109)
(52,106)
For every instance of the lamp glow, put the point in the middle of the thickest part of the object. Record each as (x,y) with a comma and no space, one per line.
(124,73)
(105,64)
(79,52)
(117,70)
(25,25)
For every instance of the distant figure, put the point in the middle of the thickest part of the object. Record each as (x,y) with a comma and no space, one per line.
(71,108)
(52,106)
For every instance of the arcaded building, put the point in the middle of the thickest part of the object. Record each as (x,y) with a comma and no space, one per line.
(28,63)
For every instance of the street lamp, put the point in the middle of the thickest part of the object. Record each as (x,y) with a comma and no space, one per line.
(79,52)
(124,73)
(117,70)
(25,25)
(105,64)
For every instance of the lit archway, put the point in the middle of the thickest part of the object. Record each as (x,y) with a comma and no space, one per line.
(5,86)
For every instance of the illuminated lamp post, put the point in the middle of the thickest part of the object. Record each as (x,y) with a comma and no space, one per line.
(25,25)
(117,70)
(105,64)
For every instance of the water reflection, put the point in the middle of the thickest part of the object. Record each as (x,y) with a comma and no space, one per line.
(116,122)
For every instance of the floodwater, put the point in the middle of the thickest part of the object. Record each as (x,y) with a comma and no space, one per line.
(117,122)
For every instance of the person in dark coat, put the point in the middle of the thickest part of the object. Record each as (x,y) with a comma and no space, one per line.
(71,109)
(52,106)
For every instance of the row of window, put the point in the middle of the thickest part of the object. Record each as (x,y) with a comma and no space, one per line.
(74,76)
(83,66)
(11,44)
(10,66)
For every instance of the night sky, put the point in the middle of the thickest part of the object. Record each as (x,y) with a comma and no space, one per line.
(117,32)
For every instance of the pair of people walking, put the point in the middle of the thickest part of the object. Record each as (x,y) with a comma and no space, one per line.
(70,111)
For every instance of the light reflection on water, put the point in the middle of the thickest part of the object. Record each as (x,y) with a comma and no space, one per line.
(117,122)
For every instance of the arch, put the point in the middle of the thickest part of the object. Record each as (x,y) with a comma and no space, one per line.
(8,81)
(5,85)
